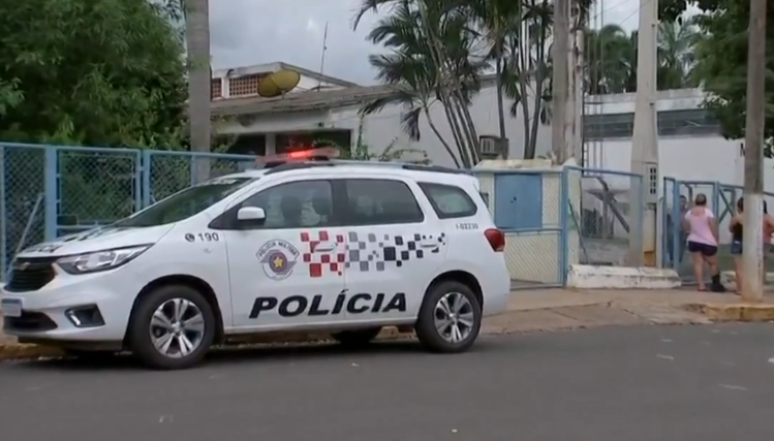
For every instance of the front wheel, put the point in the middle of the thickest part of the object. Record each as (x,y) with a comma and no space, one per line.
(449,319)
(172,328)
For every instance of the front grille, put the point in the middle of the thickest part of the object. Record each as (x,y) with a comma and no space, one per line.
(30,274)
(29,322)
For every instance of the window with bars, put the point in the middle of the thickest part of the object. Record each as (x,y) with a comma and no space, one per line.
(670,123)
(216,88)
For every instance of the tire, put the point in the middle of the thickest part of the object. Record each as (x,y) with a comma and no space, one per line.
(141,335)
(439,341)
(357,338)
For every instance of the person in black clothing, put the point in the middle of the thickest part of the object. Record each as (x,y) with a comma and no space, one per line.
(737,237)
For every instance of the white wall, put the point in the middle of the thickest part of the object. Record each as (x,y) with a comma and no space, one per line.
(706,158)
(381,128)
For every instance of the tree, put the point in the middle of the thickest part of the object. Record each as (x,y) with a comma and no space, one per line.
(494,20)
(611,58)
(412,66)
(721,67)
(527,71)
(106,73)
(95,72)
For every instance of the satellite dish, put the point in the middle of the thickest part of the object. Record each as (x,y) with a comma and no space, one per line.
(278,83)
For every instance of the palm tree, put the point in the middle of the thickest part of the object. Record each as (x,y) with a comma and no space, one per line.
(611,58)
(493,21)
(197,37)
(676,57)
(418,67)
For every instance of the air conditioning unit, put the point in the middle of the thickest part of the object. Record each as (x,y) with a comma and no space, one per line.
(493,146)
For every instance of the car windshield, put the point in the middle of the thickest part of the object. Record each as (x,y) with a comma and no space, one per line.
(186,203)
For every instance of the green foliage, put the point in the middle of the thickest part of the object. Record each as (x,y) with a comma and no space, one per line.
(721,67)
(94,72)
(106,73)
(611,58)
(411,65)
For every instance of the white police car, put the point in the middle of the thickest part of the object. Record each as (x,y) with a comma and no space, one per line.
(316,244)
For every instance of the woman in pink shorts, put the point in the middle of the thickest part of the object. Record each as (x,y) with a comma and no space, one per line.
(702,230)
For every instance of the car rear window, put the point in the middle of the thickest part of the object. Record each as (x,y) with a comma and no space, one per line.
(449,201)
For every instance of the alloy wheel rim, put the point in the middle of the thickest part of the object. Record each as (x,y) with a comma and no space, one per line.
(177,328)
(454,318)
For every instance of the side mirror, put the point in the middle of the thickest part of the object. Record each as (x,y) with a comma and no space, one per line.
(254,215)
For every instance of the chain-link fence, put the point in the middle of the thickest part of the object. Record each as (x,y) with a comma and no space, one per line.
(50,191)
(95,187)
(22,181)
(605,222)
(168,172)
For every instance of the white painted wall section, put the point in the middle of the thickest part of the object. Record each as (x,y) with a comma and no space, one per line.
(616,277)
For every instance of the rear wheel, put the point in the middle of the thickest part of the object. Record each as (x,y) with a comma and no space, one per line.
(357,338)
(172,328)
(449,319)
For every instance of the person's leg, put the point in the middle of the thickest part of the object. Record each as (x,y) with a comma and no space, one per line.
(695,250)
(681,248)
(738,273)
(736,252)
(671,250)
(710,255)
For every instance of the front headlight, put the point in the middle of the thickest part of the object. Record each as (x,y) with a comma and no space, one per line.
(100,260)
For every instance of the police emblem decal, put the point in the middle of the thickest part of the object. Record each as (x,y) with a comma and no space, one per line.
(277,257)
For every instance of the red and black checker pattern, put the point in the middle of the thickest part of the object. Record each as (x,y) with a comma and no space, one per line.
(324,253)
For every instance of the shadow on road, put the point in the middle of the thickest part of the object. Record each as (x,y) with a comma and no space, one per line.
(249,354)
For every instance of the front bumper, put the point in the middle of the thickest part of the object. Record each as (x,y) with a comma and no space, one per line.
(84,308)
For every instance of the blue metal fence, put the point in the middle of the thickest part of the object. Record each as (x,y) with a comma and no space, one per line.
(721,199)
(553,218)
(48,191)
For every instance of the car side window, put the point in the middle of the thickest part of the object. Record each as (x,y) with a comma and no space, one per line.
(302,204)
(381,201)
(449,201)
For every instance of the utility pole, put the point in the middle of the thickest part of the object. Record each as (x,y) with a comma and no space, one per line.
(644,159)
(561,75)
(752,255)
(575,104)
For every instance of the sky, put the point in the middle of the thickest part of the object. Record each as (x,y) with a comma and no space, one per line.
(248,32)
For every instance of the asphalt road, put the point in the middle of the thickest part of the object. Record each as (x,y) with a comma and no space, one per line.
(607,384)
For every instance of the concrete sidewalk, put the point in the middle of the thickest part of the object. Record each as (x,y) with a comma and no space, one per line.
(551,309)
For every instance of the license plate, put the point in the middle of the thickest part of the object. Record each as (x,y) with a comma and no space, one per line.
(11,307)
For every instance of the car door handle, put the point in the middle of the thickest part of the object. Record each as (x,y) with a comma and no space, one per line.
(325,247)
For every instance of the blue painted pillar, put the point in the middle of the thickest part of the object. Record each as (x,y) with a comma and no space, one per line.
(50,192)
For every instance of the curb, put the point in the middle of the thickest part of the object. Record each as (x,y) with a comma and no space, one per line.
(15,351)
(737,312)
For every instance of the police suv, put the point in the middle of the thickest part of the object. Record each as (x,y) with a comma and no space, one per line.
(304,242)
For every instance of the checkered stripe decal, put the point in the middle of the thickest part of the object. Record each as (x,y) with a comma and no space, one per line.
(371,253)
(324,253)
(365,252)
